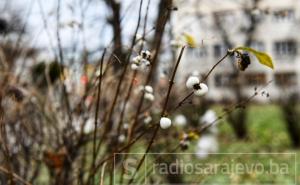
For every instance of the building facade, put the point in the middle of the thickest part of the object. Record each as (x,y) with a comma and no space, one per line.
(266,25)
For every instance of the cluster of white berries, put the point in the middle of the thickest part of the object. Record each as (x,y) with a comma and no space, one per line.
(148,95)
(200,89)
(142,61)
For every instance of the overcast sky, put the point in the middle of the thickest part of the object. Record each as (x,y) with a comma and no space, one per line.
(95,12)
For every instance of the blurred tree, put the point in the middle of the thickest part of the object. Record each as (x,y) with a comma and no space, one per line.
(165,7)
(115,21)
(237,119)
(3,26)
(13,53)
(291,114)
(12,34)
(41,71)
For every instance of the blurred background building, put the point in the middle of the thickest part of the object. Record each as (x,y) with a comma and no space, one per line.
(266,25)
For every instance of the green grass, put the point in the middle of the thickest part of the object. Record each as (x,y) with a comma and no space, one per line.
(267,131)
(267,134)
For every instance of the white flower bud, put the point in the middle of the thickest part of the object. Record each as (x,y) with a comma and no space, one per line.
(134,66)
(149,96)
(148,89)
(202,91)
(165,122)
(191,81)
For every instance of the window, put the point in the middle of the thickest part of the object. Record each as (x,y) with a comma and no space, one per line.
(197,52)
(226,17)
(284,15)
(253,79)
(219,50)
(190,51)
(286,79)
(202,52)
(285,48)
(258,45)
(224,80)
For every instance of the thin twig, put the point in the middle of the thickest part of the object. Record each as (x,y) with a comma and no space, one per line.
(234,107)
(211,70)
(171,83)
(61,63)
(97,111)
(121,80)
(102,174)
(15,176)
(133,141)
(204,78)
(129,92)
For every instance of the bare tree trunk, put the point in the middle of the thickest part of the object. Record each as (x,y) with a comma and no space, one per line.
(292,116)
(238,118)
(164,13)
(115,21)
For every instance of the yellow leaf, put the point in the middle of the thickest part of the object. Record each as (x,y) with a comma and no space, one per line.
(193,136)
(190,40)
(262,57)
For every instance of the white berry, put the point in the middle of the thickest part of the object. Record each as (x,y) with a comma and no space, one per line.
(125,126)
(121,138)
(145,62)
(134,66)
(180,120)
(149,96)
(137,59)
(191,81)
(148,89)
(147,120)
(165,122)
(148,52)
(202,91)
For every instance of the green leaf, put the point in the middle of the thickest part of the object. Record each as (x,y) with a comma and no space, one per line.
(262,57)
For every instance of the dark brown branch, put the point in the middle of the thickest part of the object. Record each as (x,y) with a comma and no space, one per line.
(171,83)
(97,110)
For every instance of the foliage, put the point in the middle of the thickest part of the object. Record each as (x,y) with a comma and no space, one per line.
(262,57)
